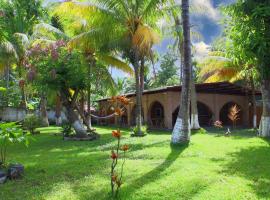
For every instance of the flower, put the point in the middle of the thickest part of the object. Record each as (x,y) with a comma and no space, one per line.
(218,124)
(125,147)
(114,155)
(118,112)
(21,83)
(116,133)
(113,99)
(114,178)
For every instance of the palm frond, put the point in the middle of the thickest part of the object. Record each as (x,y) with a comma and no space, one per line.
(44,30)
(116,63)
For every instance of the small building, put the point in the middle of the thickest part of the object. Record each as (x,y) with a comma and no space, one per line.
(160,106)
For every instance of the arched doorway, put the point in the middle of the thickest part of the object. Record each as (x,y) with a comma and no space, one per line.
(204,114)
(110,111)
(157,115)
(102,113)
(133,116)
(224,112)
(124,117)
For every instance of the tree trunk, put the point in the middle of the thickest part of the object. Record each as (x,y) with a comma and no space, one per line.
(73,116)
(181,131)
(138,96)
(7,74)
(253,103)
(142,85)
(76,122)
(58,109)
(264,129)
(195,125)
(43,111)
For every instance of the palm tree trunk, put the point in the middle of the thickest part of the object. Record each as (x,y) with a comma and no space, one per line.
(264,129)
(43,111)
(195,125)
(181,131)
(254,103)
(58,109)
(142,85)
(89,99)
(138,96)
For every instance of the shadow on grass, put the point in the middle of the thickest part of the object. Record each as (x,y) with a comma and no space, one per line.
(153,175)
(253,164)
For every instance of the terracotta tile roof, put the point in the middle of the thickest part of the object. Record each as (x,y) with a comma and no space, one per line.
(210,88)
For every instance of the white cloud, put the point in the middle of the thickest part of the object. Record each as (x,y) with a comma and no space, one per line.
(200,50)
(205,8)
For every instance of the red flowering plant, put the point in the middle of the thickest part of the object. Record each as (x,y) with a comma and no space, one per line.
(116,178)
(119,103)
(218,124)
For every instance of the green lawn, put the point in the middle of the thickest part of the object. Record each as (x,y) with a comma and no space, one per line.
(211,167)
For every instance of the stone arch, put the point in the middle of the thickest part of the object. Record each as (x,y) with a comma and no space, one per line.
(110,111)
(102,113)
(124,117)
(156,115)
(133,116)
(224,111)
(205,114)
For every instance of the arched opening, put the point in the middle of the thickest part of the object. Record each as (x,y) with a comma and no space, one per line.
(102,113)
(124,117)
(204,114)
(174,115)
(110,111)
(133,116)
(224,112)
(157,115)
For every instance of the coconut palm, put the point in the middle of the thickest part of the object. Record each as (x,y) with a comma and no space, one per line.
(176,30)
(127,27)
(181,131)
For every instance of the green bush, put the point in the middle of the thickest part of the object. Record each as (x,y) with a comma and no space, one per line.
(10,133)
(144,130)
(31,122)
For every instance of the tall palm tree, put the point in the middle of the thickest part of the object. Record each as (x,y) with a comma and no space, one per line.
(177,32)
(126,27)
(181,131)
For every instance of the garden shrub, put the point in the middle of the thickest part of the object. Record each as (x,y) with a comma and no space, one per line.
(144,130)
(10,133)
(31,122)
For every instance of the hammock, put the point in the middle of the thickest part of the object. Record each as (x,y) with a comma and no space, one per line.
(105,117)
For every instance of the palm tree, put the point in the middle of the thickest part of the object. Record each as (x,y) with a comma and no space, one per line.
(176,30)
(181,131)
(123,26)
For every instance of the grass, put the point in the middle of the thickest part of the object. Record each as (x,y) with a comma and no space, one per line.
(211,167)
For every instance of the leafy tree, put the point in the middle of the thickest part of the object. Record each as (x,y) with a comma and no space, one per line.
(126,26)
(169,73)
(249,30)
